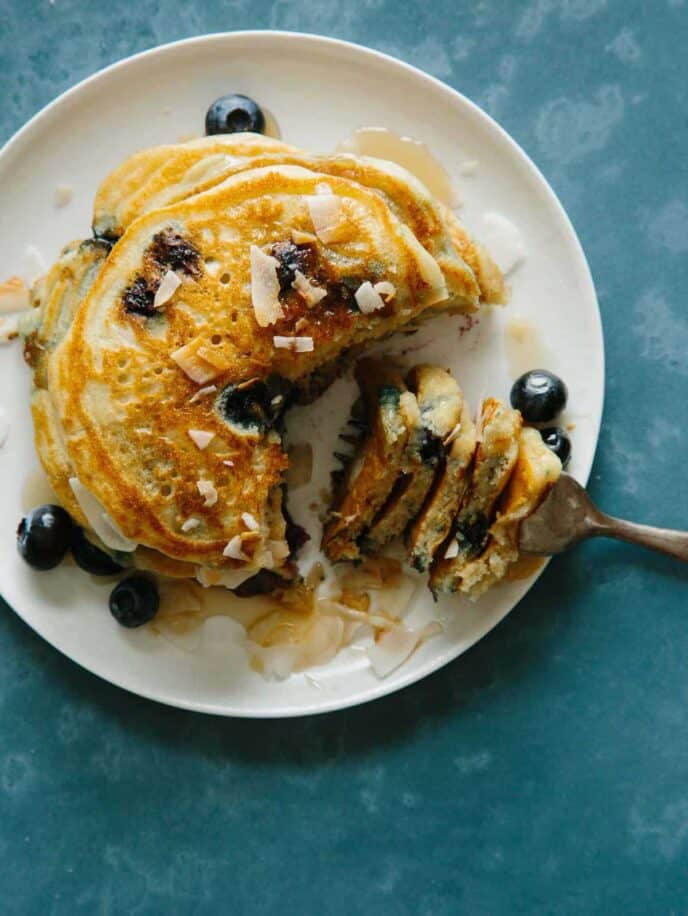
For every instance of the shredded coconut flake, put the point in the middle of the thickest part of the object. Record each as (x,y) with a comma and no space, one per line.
(228,578)
(326,215)
(233,549)
(386,289)
(302,238)
(202,392)
(201,438)
(228,462)
(249,521)
(279,550)
(169,285)
(297,344)
(14,296)
(265,288)
(368,299)
(452,435)
(308,290)
(98,519)
(194,365)
(452,551)
(190,524)
(207,491)
(212,267)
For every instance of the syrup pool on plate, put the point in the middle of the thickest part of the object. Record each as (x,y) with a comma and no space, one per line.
(407,152)
(523,347)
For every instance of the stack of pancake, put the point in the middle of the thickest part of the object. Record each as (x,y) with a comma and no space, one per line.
(226,278)
(457,489)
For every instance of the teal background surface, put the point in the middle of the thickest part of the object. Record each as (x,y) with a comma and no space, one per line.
(545,771)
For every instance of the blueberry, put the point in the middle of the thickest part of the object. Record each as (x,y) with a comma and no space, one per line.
(539,395)
(257,405)
(231,114)
(91,558)
(43,536)
(558,440)
(134,601)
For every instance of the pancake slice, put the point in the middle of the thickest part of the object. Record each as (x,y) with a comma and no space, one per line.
(536,471)
(439,405)
(498,430)
(390,412)
(431,526)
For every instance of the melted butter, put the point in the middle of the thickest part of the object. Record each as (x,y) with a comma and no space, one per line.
(36,491)
(411,154)
(523,347)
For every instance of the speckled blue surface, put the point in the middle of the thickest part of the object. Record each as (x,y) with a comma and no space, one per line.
(546,771)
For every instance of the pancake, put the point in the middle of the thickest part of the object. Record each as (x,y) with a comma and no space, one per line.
(536,471)
(391,412)
(498,431)
(130,379)
(432,524)
(121,196)
(438,410)
(469,271)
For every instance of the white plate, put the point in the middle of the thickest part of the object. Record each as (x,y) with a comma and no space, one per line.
(319,90)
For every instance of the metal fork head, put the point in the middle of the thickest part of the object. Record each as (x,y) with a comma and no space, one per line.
(565,517)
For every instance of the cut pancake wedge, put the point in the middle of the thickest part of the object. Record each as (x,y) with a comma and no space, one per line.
(498,432)
(536,471)
(431,527)
(390,412)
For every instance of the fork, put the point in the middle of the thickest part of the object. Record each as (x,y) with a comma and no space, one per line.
(568,516)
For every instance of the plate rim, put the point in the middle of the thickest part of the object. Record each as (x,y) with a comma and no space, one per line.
(384,688)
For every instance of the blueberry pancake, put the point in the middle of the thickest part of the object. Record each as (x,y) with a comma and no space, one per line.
(431,526)
(206,319)
(390,413)
(498,431)
(439,400)
(536,471)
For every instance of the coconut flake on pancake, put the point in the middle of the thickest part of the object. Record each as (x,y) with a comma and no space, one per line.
(99,520)
(265,288)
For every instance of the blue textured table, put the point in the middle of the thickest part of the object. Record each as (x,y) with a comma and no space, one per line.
(546,771)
